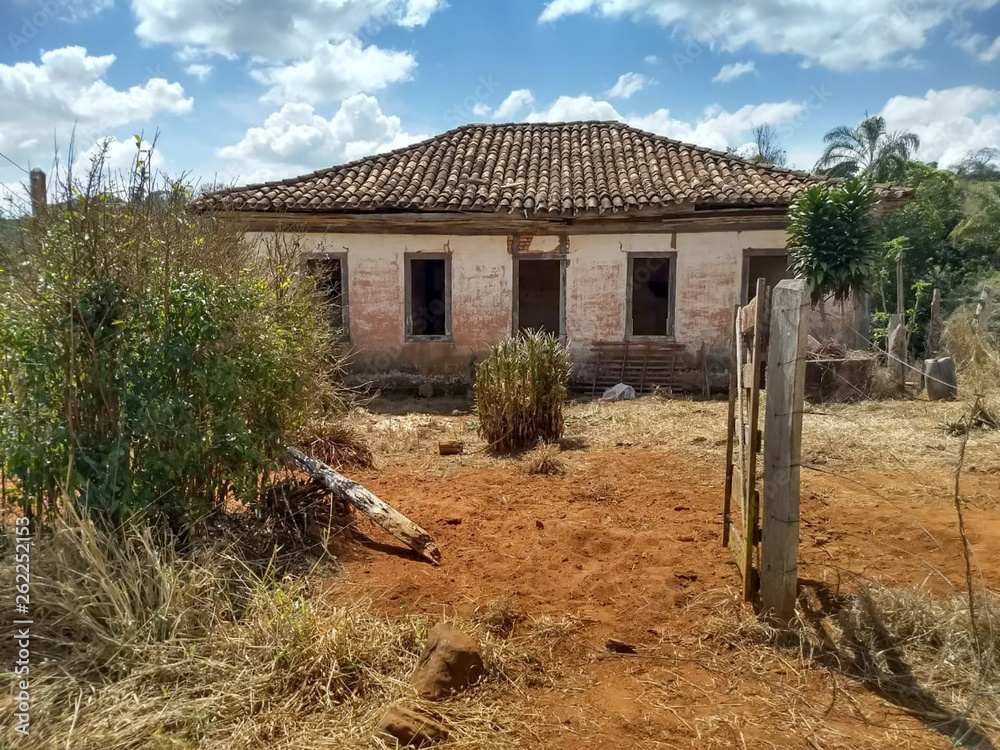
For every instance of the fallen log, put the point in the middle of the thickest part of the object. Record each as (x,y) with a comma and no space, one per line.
(378,510)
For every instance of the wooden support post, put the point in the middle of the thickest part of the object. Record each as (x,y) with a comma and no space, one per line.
(981,306)
(862,320)
(900,296)
(786,374)
(734,365)
(897,345)
(39,199)
(934,329)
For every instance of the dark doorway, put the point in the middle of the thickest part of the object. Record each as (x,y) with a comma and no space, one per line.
(651,296)
(428,299)
(328,275)
(772,268)
(539,295)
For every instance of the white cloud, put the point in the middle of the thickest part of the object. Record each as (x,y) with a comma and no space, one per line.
(295,140)
(838,35)
(68,92)
(716,128)
(274,30)
(627,85)
(732,71)
(120,158)
(949,122)
(514,103)
(480,109)
(335,71)
(570,108)
(651,60)
(198,70)
(980,46)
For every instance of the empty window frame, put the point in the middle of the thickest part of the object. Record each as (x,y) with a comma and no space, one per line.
(650,293)
(428,297)
(539,295)
(770,265)
(329,274)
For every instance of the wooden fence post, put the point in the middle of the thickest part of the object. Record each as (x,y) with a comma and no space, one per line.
(786,371)
(934,329)
(981,306)
(39,199)
(896,342)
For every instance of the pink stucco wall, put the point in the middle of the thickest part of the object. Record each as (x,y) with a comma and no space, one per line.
(709,278)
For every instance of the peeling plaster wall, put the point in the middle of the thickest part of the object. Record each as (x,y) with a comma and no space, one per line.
(481,306)
(709,279)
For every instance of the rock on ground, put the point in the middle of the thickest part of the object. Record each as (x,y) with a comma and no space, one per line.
(410,728)
(451,662)
(620,392)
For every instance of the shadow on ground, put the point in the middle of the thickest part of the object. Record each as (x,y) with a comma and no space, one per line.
(869,654)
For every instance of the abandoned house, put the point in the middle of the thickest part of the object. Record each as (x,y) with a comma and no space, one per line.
(632,246)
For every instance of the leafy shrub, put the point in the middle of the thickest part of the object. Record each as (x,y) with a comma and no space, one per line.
(832,239)
(148,362)
(520,391)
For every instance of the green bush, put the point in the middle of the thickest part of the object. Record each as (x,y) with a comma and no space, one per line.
(832,240)
(148,362)
(520,391)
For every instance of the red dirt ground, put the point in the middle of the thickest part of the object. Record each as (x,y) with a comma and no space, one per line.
(629,541)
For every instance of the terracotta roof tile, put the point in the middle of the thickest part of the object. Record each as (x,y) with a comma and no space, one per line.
(536,168)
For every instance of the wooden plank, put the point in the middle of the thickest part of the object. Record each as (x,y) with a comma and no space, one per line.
(730,436)
(738,546)
(753,497)
(748,316)
(786,369)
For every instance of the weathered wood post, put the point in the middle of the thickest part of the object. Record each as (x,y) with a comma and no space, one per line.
(862,320)
(934,329)
(981,306)
(786,374)
(39,199)
(897,345)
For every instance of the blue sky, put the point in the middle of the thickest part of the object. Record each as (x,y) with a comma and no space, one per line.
(245,90)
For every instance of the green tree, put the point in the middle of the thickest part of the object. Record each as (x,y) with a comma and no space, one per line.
(982,165)
(832,240)
(869,149)
(936,253)
(983,226)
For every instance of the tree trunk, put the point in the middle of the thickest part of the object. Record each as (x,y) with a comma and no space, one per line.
(380,512)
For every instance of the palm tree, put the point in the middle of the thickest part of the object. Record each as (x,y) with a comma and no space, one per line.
(984,225)
(868,149)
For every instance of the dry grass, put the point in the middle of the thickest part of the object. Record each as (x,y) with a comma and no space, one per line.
(335,443)
(913,649)
(136,647)
(544,460)
(887,434)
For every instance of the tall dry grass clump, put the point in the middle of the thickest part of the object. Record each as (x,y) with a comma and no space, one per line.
(520,392)
(975,348)
(136,647)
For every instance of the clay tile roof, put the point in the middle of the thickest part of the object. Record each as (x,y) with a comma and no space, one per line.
(530,168)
